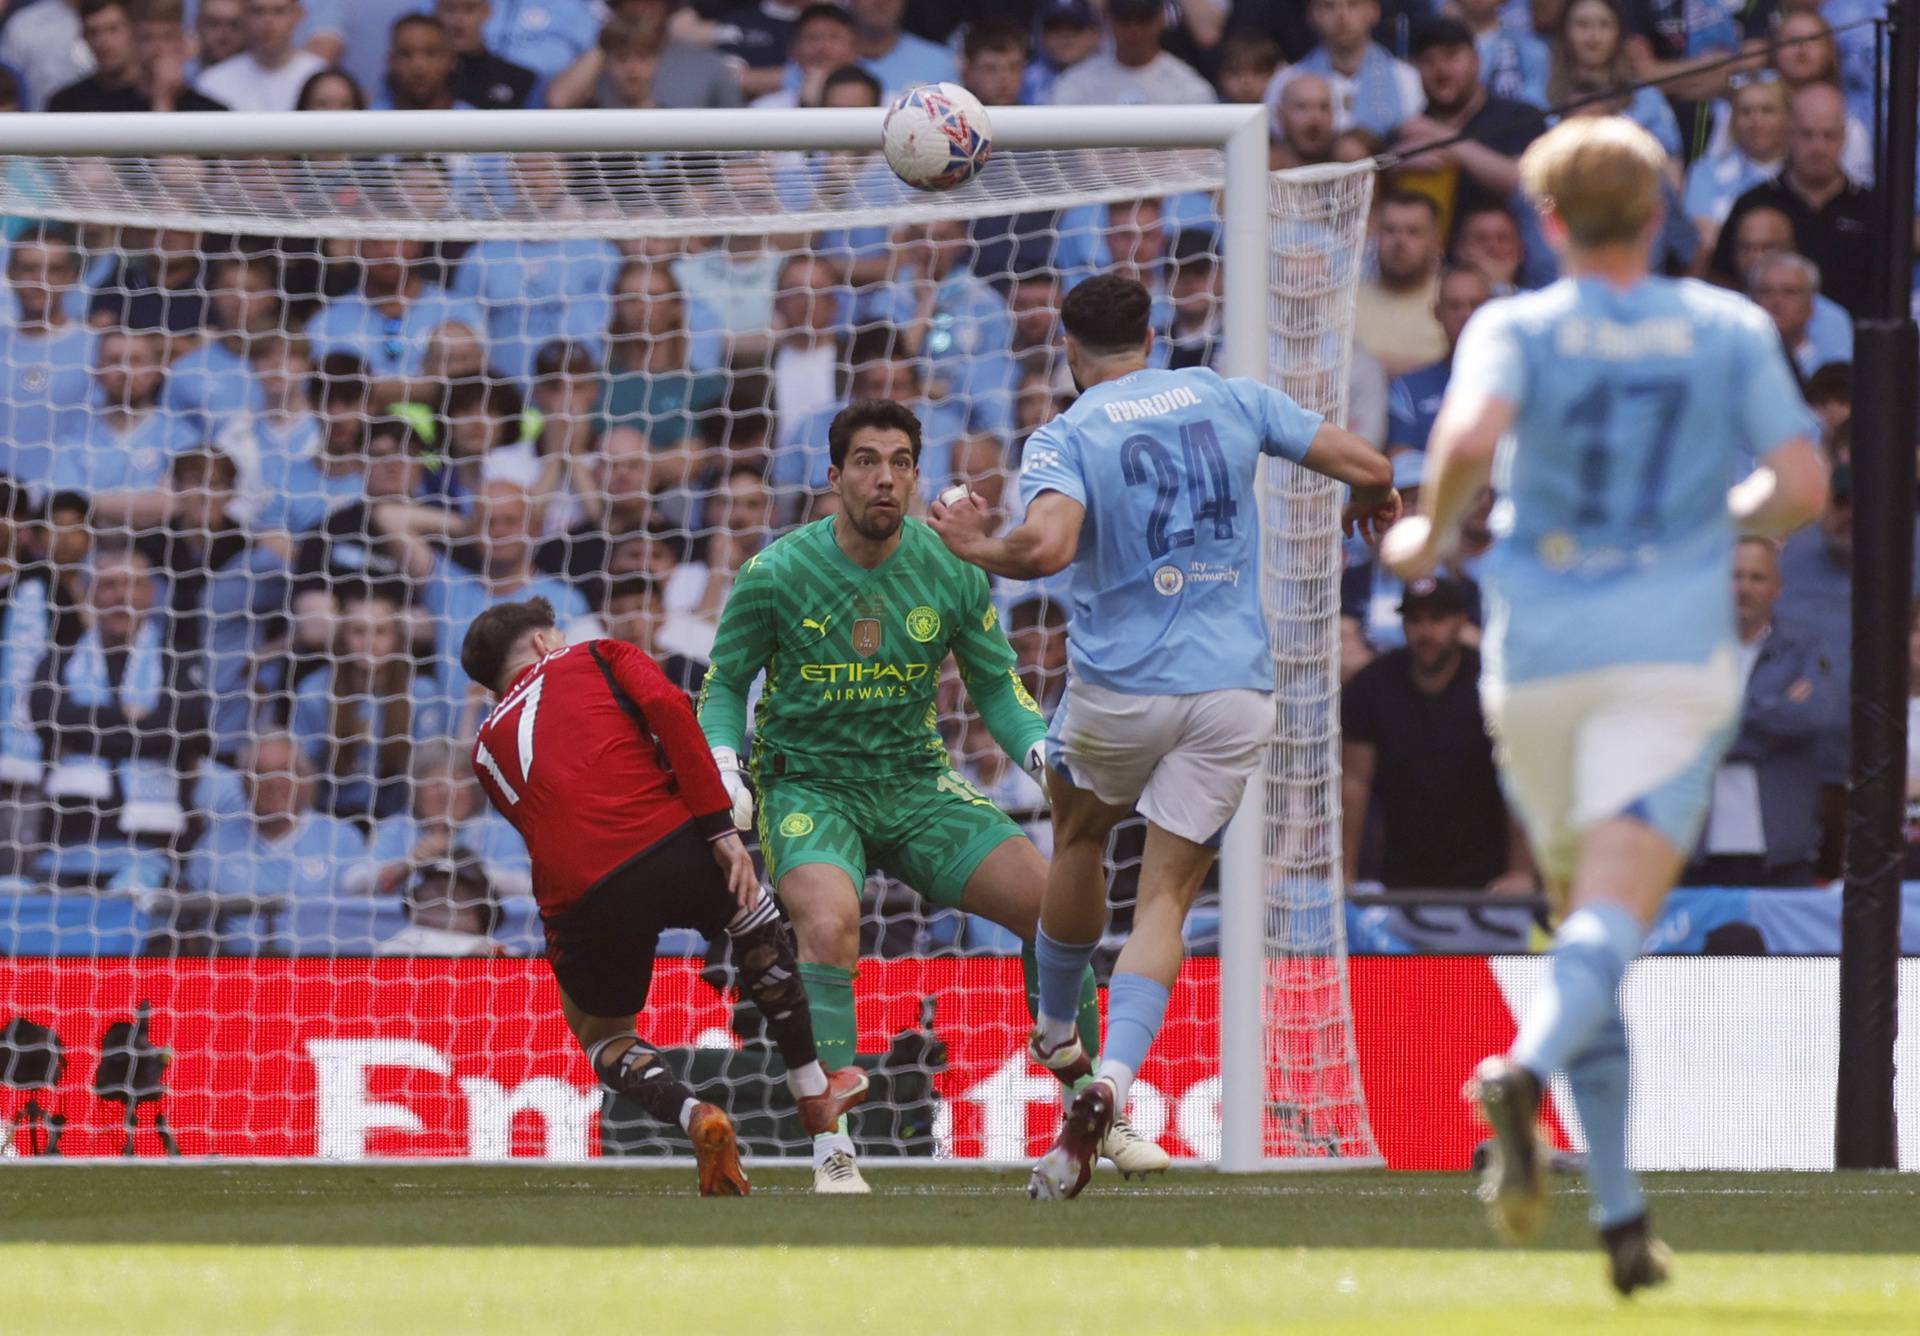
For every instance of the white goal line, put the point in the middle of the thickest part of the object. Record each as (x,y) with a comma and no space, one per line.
(880,1166)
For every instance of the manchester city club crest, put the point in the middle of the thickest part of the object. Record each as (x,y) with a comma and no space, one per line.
(1168,580)
(923,623)
(866,637)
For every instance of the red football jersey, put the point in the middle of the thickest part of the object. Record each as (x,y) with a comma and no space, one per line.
(587,789)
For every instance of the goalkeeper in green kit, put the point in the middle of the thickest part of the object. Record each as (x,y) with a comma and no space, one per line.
(851,618)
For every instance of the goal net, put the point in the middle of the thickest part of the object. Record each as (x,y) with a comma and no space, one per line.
(275,428)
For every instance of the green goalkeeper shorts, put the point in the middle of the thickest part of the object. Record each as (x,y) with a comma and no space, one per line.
(930,829)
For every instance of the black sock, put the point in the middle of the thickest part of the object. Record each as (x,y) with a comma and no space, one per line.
(639,1074)
(770,975)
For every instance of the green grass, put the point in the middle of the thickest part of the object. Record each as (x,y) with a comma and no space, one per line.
(482,1249)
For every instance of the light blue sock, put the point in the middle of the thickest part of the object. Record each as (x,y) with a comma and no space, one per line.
(1135,1007)
(1598,1075)
(1582,988)
(1061,968)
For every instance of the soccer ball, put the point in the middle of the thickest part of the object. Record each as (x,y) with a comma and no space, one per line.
(936,136)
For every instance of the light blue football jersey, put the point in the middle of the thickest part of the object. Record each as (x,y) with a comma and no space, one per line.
(1636,410)
(1166,582)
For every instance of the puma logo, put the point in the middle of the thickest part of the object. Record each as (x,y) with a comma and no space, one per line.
(820,626)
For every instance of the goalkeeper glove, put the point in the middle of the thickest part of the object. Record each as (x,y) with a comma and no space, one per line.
(736,785)
(1036,765)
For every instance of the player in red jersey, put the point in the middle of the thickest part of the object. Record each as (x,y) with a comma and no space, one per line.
(597,760)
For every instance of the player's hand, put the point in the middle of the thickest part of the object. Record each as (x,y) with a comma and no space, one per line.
(961,519)
(1409,549)
(1036,765)
(743,883)
(1369,516)
(728,760)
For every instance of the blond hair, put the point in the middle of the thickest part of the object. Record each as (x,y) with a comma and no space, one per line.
(1600,174)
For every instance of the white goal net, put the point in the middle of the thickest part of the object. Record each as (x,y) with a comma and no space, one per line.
(274,429)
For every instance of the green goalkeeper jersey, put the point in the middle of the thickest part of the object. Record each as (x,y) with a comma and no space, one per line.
(853,657)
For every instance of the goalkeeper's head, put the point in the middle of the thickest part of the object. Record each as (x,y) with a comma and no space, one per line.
(1109,329)
(508,638)
(873,448)
(1596,182)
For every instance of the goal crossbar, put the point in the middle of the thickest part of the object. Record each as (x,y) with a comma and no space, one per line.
(130,134)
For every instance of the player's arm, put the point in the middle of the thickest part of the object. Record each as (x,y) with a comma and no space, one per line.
(1287,430)
(987,668)
(1489,372)
(1046,541)
(672,720)
(1041,545)
(743,643)
(1354,460)
(702,787)
(1787,490)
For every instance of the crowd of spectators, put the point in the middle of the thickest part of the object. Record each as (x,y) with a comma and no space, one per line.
(253,488)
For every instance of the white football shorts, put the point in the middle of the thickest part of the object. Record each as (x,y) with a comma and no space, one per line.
(1183,761)
(1639,740)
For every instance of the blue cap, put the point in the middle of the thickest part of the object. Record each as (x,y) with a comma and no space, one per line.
(1075,13)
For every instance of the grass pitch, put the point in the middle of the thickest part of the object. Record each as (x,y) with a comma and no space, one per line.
(482,1249)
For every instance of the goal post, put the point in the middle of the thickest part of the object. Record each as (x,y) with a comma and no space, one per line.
(658,187)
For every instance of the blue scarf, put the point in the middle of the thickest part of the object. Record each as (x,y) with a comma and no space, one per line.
(24,638)
(1376,102)
(86,680)
(149,790)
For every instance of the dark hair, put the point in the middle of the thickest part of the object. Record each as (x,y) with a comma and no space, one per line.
(639,582)
(851,74)
(994,34)
(882,413)
(814,13)
(214,465)
(1247,50)
(460,871)
(1108,313)
(9,86)
(417,427)
(495,400)
(16,502)
(390,592)
(1403,199)
(1831,383)
(339,376)
(746,416)
(418,20)
(1195,248)
(1450,270)
(565,357)
(495,632)
(48,234)
(330,72)
(879,345)
(88,8)
(626,34)
(1478,210)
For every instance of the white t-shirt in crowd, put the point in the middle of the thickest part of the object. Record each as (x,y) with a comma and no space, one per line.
(1102,81)
(244,84)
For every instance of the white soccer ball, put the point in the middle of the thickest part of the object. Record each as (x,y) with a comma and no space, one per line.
(936,136)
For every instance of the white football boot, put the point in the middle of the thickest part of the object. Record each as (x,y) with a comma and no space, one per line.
(839,1176)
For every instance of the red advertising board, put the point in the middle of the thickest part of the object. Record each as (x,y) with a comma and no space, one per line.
(399,1057)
